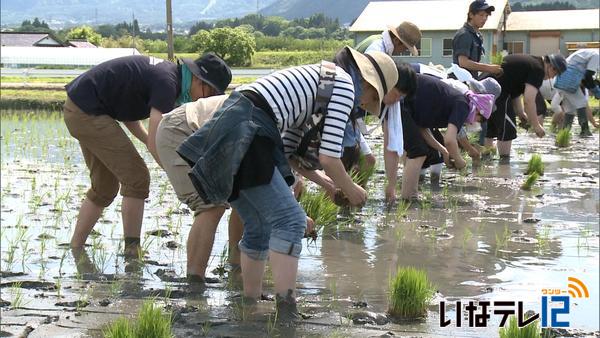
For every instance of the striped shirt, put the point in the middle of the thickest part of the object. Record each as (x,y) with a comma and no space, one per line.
(291,95)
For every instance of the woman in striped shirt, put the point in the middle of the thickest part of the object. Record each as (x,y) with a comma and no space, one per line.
(240,156)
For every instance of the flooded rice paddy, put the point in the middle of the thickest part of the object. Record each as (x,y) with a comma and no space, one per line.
(478,237)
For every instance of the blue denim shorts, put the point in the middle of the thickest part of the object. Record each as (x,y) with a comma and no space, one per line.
(272,218)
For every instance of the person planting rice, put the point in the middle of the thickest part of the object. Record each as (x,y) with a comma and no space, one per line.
(172,130)
(240,156)
(567,104)
(522,76)
(450,110)
(129,90)
(393,41)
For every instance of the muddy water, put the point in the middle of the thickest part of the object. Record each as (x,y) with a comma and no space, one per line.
(479,237)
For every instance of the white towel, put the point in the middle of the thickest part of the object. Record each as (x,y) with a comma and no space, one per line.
(395,136)
(384,45)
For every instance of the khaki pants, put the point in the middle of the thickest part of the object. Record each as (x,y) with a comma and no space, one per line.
(110,156)
(172,131)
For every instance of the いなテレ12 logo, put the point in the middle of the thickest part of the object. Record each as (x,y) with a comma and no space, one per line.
(561,299)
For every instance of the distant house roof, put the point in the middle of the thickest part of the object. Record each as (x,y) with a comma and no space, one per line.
(81,44)
(436,15)
(553,20)
(61,56)
(29,39)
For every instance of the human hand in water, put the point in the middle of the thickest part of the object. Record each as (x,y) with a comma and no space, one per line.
(459,163)
(357,196)
(310,232)
(539,131)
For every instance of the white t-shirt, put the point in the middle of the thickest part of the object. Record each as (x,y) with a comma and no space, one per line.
(588,58)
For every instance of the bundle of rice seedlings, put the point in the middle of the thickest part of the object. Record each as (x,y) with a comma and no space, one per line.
(535,165)
(319,207)
(514,331)
(530,181)
(563,138)
(150,322)
(410,293)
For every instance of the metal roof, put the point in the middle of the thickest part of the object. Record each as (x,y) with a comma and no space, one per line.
(435,15)
(81,44)
(67,56)
(553,20)
(28,39)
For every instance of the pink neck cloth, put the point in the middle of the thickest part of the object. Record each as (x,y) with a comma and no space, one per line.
(483,103)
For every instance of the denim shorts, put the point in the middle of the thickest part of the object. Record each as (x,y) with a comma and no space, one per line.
(272,218)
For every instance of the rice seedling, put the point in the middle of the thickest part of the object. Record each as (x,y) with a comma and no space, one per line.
(402,208)
(121,328)
(563,138)
(410,293)
(206,327)
(17,293)
(151,321)
(535,165)
(272,324)
(363,172)
(10,255)
(530,181)
(543,239)
(467,235)
(502,240)
(514,331)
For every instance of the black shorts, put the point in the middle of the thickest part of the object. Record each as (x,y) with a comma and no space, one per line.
(502,124)
(414,143)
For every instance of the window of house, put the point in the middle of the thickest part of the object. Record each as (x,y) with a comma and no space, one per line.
(423,46)
(447,47)
(515,47)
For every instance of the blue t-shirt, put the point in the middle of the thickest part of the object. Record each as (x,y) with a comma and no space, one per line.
(126,88)
(435,104)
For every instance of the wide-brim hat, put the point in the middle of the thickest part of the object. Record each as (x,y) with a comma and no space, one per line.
(212,70)
(379,70)
(409,34)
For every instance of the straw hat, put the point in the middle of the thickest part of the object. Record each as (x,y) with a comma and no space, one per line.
(379,70)
(409,34)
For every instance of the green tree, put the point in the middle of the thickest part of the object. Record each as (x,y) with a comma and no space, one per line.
(273,25)
(35,26)
(235,45)
(155,46)
(85,33)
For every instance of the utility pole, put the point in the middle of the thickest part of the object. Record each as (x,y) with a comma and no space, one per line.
(132,29)
(169,32)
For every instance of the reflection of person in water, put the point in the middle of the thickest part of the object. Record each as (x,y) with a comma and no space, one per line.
(344,253)
(87,269)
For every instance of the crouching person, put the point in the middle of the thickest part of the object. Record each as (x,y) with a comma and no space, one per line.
(173,129)
(126,90)
(450,110)
(238,156)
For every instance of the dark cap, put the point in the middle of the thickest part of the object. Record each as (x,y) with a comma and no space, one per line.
(480,5)
(212,70)
(558,62)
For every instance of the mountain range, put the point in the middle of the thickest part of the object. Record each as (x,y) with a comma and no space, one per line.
(151,13)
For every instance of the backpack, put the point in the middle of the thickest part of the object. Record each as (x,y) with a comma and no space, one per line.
(570,79)
(307,153)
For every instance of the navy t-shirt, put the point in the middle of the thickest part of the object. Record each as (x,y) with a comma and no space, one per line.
(469,43)
(435,104)
(126,88)
(520,69)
